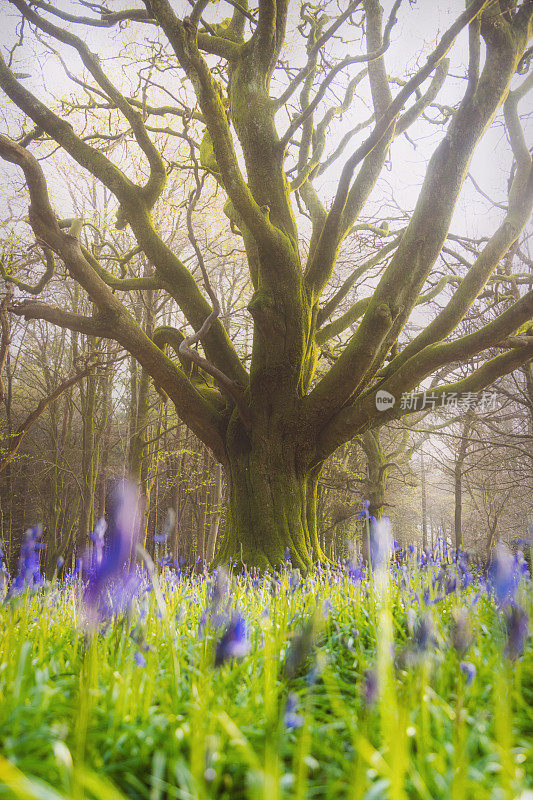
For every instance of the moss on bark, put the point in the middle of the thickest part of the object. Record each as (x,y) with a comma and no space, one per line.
(271,505)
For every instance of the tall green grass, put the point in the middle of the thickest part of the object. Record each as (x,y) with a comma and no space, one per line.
(79,718)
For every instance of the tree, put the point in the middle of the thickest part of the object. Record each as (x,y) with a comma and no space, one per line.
(273,425)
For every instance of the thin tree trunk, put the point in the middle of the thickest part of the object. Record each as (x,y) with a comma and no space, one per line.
(216,514)
(424,503)
(458,481)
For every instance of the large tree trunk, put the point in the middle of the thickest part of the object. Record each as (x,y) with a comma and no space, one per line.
(271,508)
(377,474)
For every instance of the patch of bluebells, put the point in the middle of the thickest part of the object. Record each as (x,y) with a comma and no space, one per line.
(97,538)
(503,575)
(365,512)
(110,585)
(168,527)
(469,671)
(235,641)
(29,576)
(292,718)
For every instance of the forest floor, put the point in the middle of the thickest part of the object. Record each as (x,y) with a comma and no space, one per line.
(412,682)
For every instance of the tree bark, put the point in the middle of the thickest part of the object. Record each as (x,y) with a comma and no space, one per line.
(271,507)
(216,514)
(424,504)
(458,482)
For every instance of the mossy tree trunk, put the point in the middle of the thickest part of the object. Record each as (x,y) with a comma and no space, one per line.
(271,506)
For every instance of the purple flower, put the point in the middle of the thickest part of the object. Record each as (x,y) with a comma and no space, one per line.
(517,630)
(235,642)
(371,689)
(365,513)
(503,575)
(355,572)
(201,625)
(292,718)
(111,585)
(327,607)
(424,632)
(451,584)
(521,564)
(168,527)
(140,659)
(97,538)
(469,671)
(29,575)
(295,579)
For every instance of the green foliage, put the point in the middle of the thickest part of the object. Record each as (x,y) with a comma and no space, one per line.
(80,719)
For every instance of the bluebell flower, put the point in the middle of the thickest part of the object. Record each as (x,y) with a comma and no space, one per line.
(140,659)
(312,676)
(97,538)
(371,687)
(295,579)
(111,584)
(521,564)
(29,575)
(235,642)
(469,671)
(524,542)
(201,625)
(365,513)
(503,575)
(423,635)
(292,719)
(355,572)
(466,579)
(450,585)
(327,607)
(168,527)
(517,630)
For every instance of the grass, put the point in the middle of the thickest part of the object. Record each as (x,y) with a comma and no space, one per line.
(80,717)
